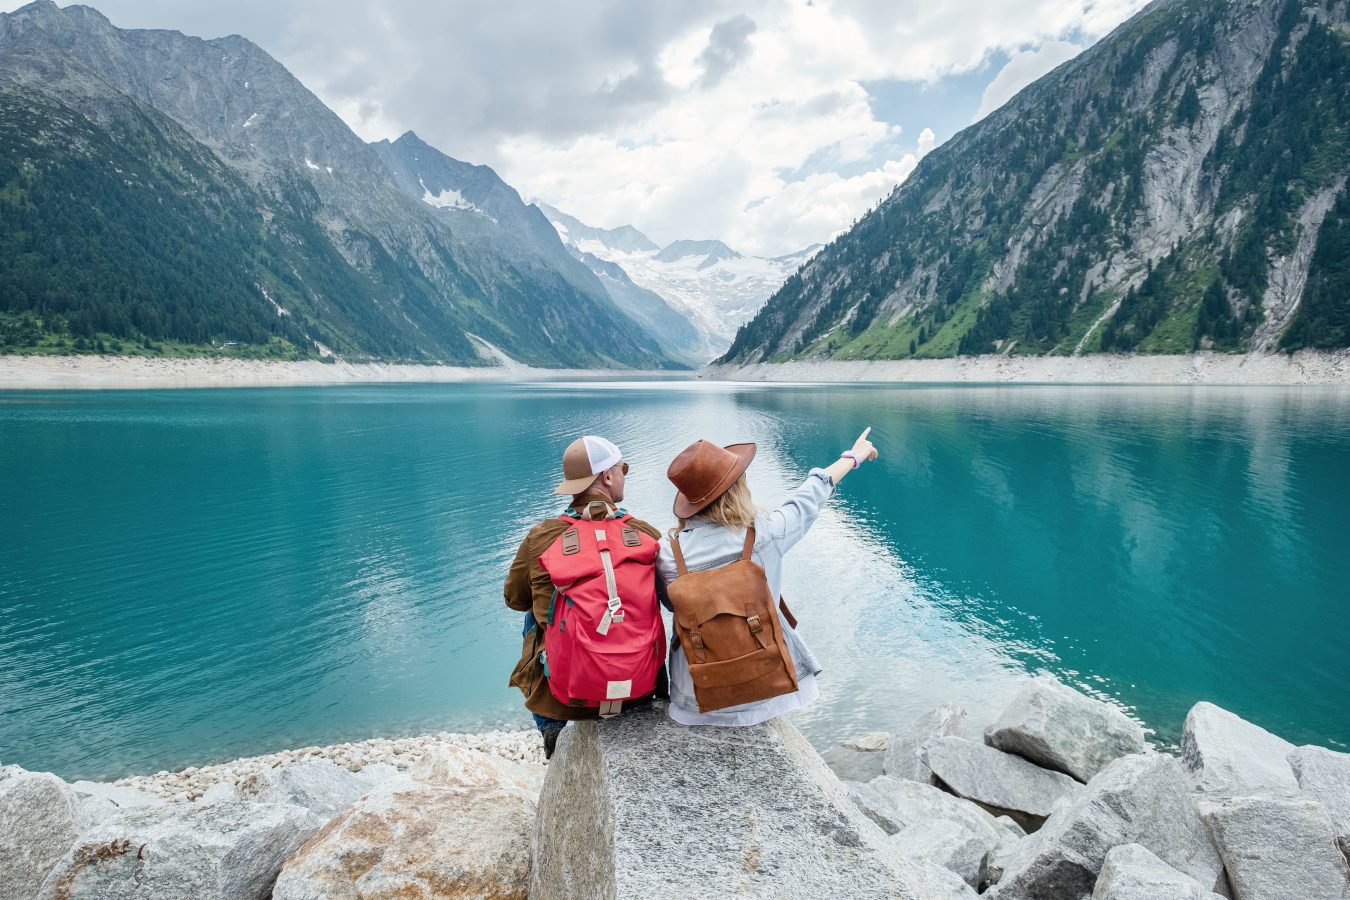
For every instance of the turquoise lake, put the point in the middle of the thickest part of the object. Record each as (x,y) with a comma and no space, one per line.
(192,576)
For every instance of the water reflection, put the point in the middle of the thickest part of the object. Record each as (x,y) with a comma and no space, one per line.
(187,576)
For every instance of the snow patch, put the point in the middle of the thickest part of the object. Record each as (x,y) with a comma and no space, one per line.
(449,198)
(250,118)
(313,165)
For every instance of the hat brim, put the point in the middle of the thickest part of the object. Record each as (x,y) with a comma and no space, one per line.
(744,453)
(574,486)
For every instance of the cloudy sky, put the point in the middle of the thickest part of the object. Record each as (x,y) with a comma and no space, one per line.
(769,124)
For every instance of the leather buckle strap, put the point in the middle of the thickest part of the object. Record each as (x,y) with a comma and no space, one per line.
(679,555)
(749,542)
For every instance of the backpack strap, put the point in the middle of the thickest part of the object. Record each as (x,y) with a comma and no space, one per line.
(749,542)
(679,555)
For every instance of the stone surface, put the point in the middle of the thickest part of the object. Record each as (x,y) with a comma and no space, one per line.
(218,851)
(997,780)
(1278,848)
(1133,872)
(37,826)
(466,768)
(1228,756)
(1324,775)
(853,765)
(902,750)
(317,785)
(872,742)
(119,796)
(221,792)
(1055,726)
(928,822)
(1142,799)
(639,807)
(413,839)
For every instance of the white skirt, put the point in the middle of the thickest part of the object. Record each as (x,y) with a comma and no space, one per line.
(751,713)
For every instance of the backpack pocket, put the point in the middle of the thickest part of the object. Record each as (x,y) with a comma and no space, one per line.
(755,676)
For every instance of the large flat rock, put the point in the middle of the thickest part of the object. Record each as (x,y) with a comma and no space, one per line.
(903,749)
(211,851)
(639,807)
(928,822)
(996,780)
(1228,756)
(1054,726)
(1278,848)
(1133,872)
(37,827)
(1143,799)
(1324,775)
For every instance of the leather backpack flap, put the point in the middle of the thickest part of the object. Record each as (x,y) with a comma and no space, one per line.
(728,626)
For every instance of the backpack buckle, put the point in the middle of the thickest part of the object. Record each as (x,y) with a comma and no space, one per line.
(755,625)
(696,640)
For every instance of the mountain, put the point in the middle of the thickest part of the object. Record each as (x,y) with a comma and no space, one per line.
(1180,185)
(162,188)
(708,282)
(625,239)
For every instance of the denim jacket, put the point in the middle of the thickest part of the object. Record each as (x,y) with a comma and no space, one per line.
(707,545)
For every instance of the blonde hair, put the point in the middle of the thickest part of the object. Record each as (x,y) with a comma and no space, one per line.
(734,508)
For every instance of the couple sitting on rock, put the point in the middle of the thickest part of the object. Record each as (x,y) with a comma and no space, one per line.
(590,581)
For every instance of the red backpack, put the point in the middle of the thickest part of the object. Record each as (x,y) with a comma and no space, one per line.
(604,640)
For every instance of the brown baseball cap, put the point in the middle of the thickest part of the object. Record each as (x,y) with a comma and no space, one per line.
(703,471)
(584,460)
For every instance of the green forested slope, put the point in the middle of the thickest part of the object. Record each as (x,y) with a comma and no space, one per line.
(1160,193)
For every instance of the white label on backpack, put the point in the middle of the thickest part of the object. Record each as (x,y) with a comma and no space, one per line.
(619,690)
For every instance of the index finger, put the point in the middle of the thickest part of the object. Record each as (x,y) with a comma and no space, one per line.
(866,432)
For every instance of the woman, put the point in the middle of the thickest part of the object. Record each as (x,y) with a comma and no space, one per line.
(715,509)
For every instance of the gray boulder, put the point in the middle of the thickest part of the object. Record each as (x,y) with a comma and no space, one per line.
(317,784)
(215,851)
(458,825)
(927,822)
(851,764)
(998,781)
(118,796)
(639,806)
(1278,848)
(1324,775)
(1228,756)
(1133,872)
(1054,726)
(902,750)
(1142,799)
(37,826)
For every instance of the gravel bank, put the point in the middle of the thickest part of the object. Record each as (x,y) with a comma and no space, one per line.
(191,783)
(1304,367)
(120,372)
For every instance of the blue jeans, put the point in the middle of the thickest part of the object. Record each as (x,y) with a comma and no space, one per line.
(543,723)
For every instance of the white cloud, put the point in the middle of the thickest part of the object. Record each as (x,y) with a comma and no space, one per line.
(1021,70)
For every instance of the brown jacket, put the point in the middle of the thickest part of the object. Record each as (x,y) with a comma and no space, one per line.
(528,588)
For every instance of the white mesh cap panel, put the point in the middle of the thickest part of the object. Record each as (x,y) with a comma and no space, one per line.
(602,453)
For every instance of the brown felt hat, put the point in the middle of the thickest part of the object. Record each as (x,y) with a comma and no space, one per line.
(703,471)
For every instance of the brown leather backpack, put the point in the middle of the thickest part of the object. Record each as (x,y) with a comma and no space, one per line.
(728,627)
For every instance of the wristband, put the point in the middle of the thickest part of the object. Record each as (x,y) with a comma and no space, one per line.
(849,454)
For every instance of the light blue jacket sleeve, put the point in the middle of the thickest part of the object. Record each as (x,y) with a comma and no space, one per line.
(789,523)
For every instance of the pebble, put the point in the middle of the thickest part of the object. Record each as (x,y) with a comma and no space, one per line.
(192,782)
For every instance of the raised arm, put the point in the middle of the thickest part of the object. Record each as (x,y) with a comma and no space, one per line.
(862,451)
(788,524)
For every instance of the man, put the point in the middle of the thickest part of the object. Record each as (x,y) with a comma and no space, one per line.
(593,475)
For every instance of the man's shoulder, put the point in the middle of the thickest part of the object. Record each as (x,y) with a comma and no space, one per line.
(646,528)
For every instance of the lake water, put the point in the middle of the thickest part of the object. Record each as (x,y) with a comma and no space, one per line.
(191,576)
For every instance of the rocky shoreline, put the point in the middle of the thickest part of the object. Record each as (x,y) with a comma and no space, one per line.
(91,372)
(1060,798)
(1306,367)
(193,782)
